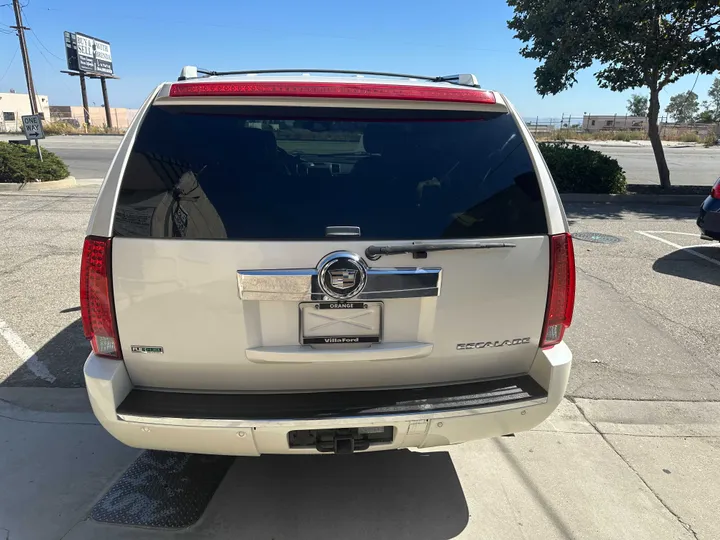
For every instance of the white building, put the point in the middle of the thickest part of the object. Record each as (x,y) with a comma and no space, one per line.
(614,122)
(13,106)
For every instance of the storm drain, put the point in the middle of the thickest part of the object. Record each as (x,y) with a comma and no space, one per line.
(596,238)
(163,489)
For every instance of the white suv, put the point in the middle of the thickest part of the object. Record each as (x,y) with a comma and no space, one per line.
(303,263)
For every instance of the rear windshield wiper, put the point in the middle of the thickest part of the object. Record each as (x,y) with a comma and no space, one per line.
(420,251)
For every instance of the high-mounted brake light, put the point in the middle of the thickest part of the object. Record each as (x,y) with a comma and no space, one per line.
(561,293)
(96,303)
(715,191)
(331,90)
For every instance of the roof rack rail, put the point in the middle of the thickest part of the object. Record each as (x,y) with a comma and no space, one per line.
(465,79)
(188,72)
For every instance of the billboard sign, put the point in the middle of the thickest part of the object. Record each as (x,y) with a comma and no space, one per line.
(87,54)
(71,51)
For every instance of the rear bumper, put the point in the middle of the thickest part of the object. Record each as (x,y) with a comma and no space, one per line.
(709,218)
(133,419)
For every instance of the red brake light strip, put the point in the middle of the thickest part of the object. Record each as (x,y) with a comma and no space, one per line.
(332,90)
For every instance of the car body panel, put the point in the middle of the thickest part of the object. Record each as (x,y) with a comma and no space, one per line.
(709,218)
(184,298)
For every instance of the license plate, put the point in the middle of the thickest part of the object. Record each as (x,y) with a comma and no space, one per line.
(339,323)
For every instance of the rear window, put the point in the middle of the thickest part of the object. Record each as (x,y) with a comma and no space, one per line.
(272,173)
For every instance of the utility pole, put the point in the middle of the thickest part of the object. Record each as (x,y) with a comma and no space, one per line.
(26,63)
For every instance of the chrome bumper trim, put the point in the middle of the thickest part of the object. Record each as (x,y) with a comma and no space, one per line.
(301,284)
(355,421)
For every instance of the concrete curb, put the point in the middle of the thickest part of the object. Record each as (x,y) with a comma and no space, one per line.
(629,144)
(86,135)
(40,186)
(677,200)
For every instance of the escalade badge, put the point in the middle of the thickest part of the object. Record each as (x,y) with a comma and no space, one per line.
(342,275)
(494,344)
(343,279)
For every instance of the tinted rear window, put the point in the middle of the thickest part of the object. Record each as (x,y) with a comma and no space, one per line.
(288,173)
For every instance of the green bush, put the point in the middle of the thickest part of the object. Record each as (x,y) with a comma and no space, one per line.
(19,163)
(73,127)
(711,139)
(629,136)
(577,169)
(60,128)
(690,136)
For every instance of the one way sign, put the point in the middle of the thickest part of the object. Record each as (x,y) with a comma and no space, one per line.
(33,127)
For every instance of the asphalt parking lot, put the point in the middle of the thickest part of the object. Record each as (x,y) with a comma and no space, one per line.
(689,165)
(631,454)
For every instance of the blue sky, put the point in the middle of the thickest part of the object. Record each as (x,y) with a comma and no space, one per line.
(152,39)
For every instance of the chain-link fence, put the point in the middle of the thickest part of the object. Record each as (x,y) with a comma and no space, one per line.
(617,127)
(69,120)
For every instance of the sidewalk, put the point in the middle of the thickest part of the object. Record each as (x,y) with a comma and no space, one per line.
(595,469)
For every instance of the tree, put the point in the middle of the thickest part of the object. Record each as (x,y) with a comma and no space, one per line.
(639,44)
(706,117)
(637,105)
(683,107)
(713,105)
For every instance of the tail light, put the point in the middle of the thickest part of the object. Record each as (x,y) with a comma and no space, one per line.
(561,293)
(715,192)
(96,302)
(331,90)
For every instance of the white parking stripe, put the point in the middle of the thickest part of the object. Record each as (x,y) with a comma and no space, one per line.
(25,353)
(678,246)
(696,235)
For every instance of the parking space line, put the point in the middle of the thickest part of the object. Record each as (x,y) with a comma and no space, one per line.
(689,249)
(696,235)
(32,362)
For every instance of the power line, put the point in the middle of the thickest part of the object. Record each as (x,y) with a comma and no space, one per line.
(38,39)
(43,45)
(46,58)
(11,63)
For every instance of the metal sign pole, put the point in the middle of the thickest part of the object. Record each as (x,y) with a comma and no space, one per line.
(83,90)
(108,117)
